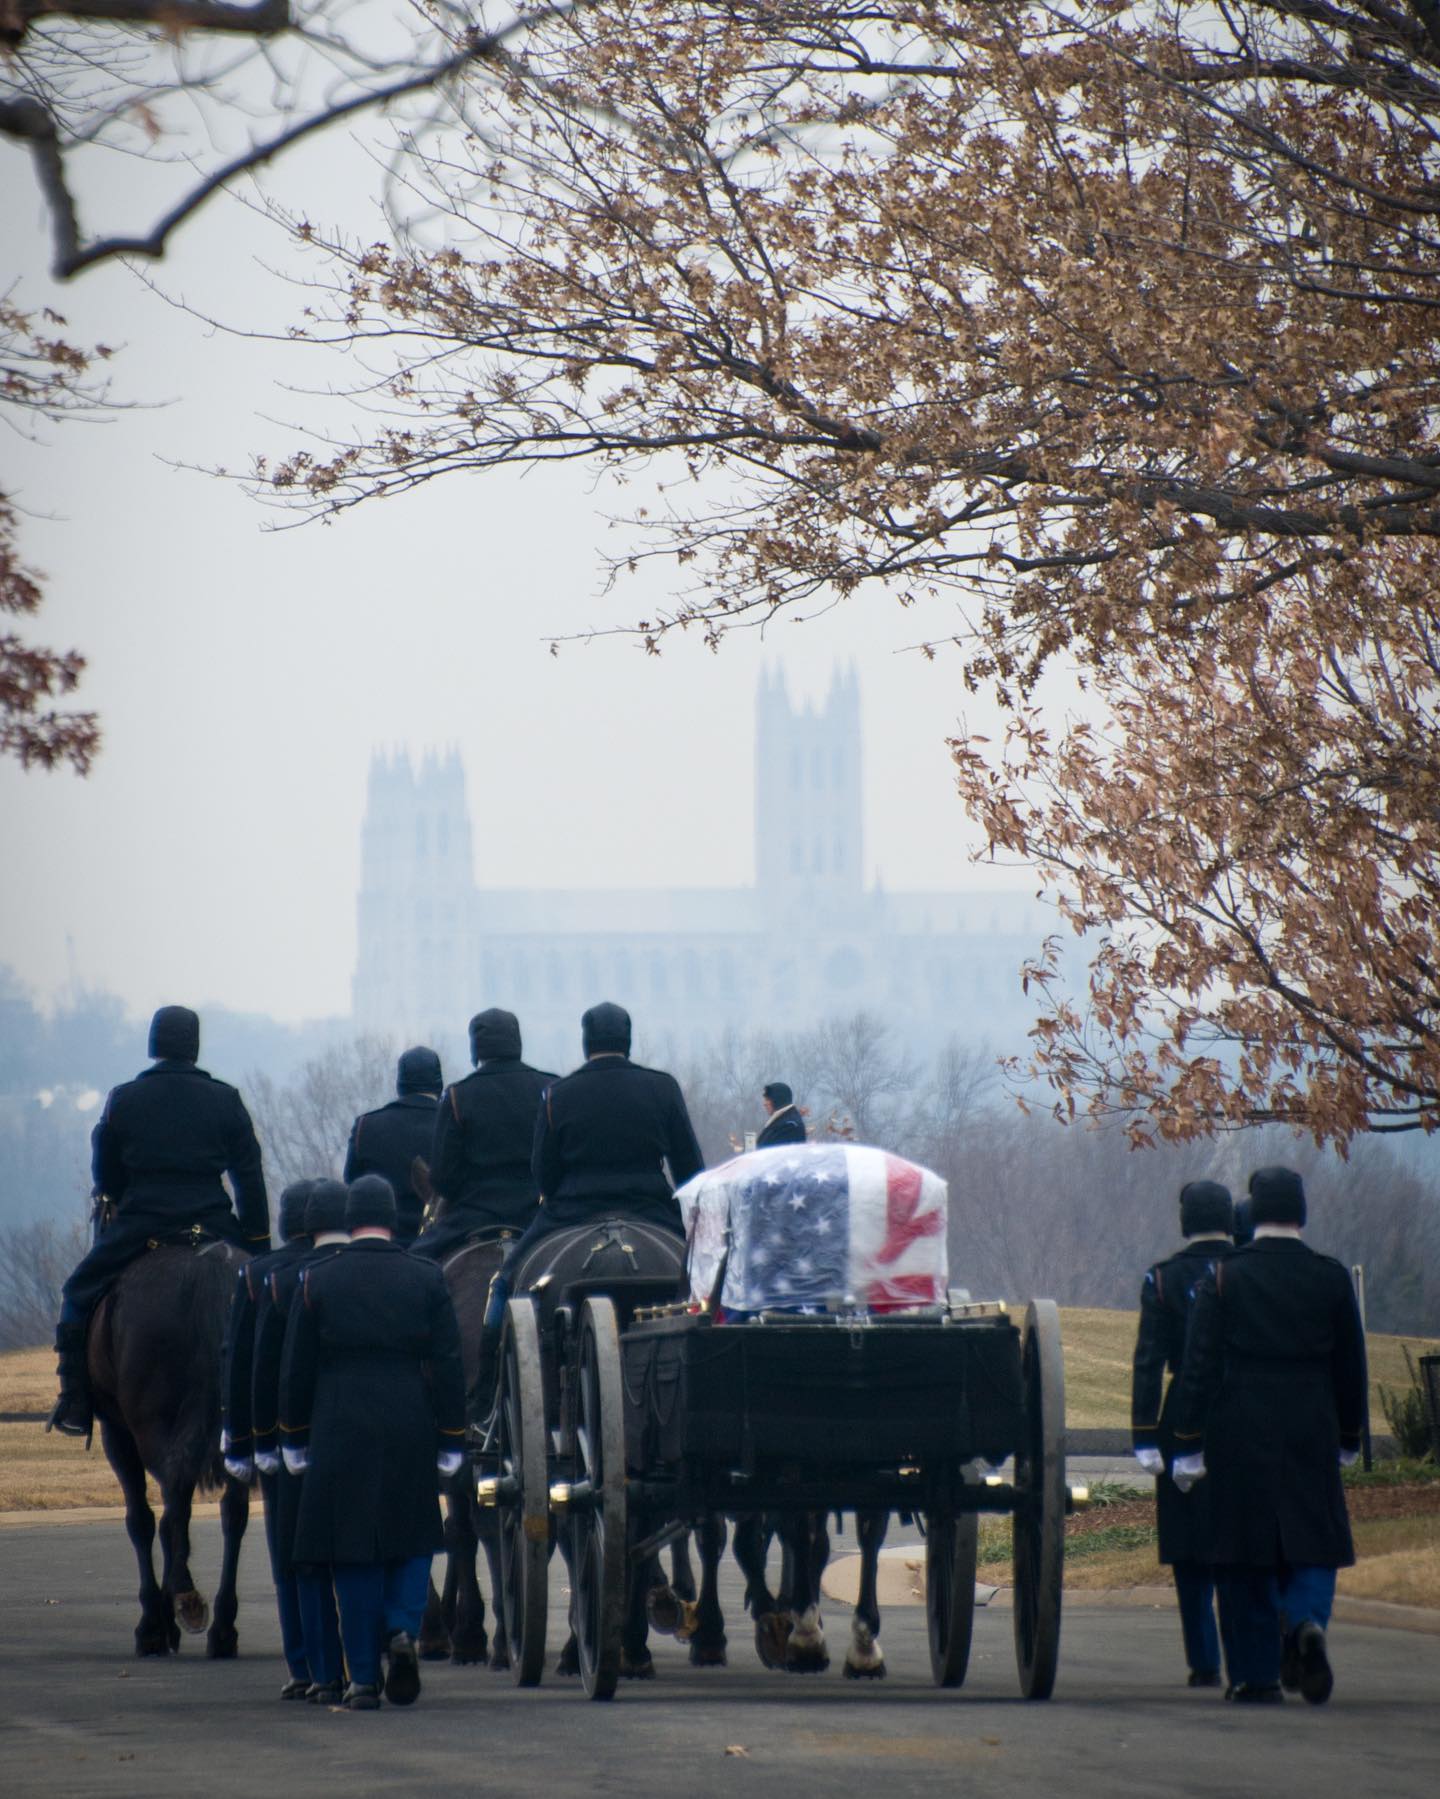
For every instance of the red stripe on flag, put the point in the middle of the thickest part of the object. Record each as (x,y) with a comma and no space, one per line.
(903,1183)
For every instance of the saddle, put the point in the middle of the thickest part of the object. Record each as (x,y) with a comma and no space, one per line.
(189,1236)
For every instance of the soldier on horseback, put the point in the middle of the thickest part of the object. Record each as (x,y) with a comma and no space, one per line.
(484,1133)
(162,1144)
(387,1140)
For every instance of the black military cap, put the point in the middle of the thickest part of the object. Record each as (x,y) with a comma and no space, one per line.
(418,1071)
(494,1035)
(293,1202)
(371,1202)
(175,1034)
(1277,1196)
(1205,1208)
(325,1208)
(605,1029)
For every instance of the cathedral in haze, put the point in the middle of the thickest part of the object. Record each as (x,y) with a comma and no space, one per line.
(808,941)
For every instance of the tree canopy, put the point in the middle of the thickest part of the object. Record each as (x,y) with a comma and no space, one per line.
(1100,334)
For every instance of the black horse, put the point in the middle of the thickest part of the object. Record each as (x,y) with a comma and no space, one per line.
(153,1358)
(632,1263)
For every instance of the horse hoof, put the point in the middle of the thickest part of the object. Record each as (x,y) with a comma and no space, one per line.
(641,1667)
(664,1609)
(569,1662)
(470,1657)
(707,1655)
(192,1612)
(152,1644)
(499,1660)
(772,1632)
(807,1661)
(436,1652)
(222,1645)
(852,1671)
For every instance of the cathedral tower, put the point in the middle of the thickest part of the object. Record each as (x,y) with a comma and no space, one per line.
(416,908)
(808,803)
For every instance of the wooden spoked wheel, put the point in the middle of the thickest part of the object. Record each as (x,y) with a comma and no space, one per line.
(597,1514)
(523,1496)
(950,1549)
(1038,1525)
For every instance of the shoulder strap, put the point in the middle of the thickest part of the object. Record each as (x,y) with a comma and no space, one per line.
(455,1105)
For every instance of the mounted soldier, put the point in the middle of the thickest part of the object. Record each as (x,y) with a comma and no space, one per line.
(387,1140)
(160,1150)
(483,1137)
(1166,1296)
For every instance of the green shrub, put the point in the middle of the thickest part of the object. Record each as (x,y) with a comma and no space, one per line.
(1408,1414)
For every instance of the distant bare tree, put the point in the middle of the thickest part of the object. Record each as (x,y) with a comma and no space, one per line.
(304,1122)
(35,1260)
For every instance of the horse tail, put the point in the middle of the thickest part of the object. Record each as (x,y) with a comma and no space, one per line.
(192,1455)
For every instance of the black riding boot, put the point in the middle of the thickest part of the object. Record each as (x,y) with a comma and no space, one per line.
(72,1416)
(481,1397)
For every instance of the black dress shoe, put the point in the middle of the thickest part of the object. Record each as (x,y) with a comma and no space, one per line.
(324,1692)
(1316,1681)
(1204,1677)
(402,1682)
(295,1689)
(360,1698)
(1253,1695)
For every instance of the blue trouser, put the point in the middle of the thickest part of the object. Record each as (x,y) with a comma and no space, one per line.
(1257,1600)
(315,1595)
(287,1597)
(1195,1590)
(377,1599)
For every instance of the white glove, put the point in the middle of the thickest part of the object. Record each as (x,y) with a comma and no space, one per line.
(1349,1457)
(239,1467)
(297,1460)
(1187,1470)
(267,1461)
(448,1462)
(1150,1460)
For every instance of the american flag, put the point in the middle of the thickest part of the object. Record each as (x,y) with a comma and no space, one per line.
(814,1226)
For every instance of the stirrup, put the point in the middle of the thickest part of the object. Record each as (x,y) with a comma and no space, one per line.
(64,1420)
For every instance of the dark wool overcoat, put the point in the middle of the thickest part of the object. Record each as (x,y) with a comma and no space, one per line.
(1273,1387)
(786,1126)
(605,1136)
(387,1141)
(1165,1300)
(165,1139)
(372,1385)
(484,1133)
(238,1379)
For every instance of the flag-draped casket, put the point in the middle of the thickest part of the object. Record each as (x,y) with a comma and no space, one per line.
(817,1227)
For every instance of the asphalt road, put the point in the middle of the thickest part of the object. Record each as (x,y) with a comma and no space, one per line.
(80,1716)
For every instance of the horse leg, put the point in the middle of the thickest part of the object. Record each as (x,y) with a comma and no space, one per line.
(469,1643)
(490,1540)
(682,1572)
(191,1611)
(707,1644)
(434,1642)
(223,1640)
(805,1651)
(772,1623)
(865,1659)
(157,1619)
(569,1658)
(636,1661)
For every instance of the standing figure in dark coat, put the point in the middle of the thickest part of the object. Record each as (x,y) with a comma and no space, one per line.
(1183,1518)
(1272,1403)
(783,1123)
(237,1440)
(313,1588)
(372,1411)
(163,1143)
(387,1140)
(484,1133)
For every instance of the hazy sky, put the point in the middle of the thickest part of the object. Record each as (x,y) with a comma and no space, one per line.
(245,674)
